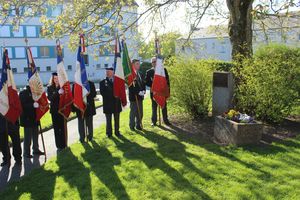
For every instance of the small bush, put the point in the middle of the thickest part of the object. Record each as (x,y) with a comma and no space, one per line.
(270,83)
(191,85)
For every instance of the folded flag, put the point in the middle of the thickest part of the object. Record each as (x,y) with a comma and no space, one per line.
(119,78)
(129,72)
(10,105)
(36,87)
(66,98)
(81,86)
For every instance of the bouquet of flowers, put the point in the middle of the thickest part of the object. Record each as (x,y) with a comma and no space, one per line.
(236,116)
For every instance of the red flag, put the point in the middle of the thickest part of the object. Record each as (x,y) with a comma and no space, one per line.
(160,86)
(12,108)
(65,99)
(119,78)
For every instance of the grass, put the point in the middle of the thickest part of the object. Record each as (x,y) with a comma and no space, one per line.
(163,163)
(46,120)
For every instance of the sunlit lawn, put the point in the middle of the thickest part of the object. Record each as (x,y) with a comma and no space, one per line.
(163,164)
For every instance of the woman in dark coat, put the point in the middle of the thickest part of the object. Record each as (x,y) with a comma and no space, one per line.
(54,92)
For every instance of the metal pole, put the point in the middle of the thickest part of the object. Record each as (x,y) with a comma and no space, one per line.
(40,126)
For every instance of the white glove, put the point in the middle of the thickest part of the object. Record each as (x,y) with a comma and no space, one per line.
(60,91)
(142,93)
(36,105)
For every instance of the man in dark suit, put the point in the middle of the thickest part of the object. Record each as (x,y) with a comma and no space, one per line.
(111,104)
(9,129)
(137,92)
(149,80)
(88,115)
(28,121)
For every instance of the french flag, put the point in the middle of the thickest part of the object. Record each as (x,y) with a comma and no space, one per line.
(65,99)
(36,87)
(160,86)
(81,86)
(10,105)
(119,78)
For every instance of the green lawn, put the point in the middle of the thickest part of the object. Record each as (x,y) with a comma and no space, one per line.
(46,120)
(162,163)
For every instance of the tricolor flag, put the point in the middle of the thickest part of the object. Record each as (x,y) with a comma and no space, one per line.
(119,78)
(81,86)
(10,105)
(36,87)
(160,86)
(65,99)
(129,72)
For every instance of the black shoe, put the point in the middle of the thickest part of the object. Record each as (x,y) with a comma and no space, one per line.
(153,124)
(118,134)
(38,153)
(132,128)
(28,156)
(167,123)
(109,135)
(139,128)
(5,163)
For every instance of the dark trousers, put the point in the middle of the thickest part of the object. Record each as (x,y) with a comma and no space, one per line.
(81,128)
(154,112)
(109,124)
(14,133)
(136,114)
(59,130)
(31,133)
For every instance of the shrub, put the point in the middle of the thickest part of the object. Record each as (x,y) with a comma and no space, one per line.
(191,85)
(270,83)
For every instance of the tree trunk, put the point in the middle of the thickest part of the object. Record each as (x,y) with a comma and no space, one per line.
(240,28)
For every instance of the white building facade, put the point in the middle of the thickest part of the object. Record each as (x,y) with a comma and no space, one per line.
(44,50)
(214,43)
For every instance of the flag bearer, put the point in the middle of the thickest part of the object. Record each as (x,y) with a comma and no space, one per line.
(137,92)
(54,91)
(111,104)
(14,133)
(149,80)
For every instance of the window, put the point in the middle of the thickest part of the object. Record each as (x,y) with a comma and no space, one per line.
(48,68)
(38,69)
(70,67)
(105,65)
(19,32)
(34,52)
(4,31)
(213,45)
(20,52)
(98,66)
(86,59)
(31,31)
(44,52)
(25,69)
(14,70)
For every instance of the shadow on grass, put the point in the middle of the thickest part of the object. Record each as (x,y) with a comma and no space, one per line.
(69,168)
(103,167)
(134,151)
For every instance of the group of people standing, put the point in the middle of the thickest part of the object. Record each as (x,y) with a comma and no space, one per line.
(111,108)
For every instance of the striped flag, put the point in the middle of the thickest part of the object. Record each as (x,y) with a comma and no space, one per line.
(129,72)
(81,87)
(160,86)
(10,105)
(36,87)
(119,78)
(65,99)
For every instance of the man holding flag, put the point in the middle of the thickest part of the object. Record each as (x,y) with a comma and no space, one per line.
(157,79)
(35,104)
(10,110)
